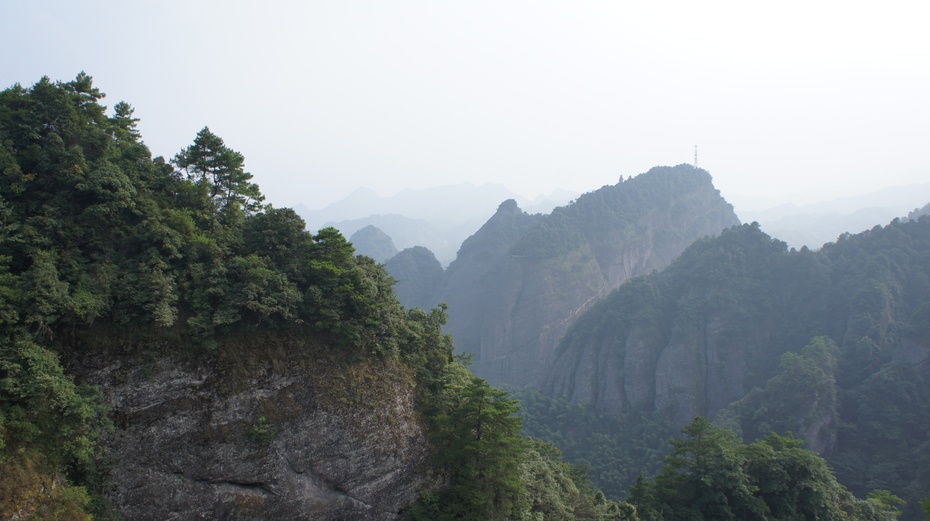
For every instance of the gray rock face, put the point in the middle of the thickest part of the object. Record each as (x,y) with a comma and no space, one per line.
(294,444)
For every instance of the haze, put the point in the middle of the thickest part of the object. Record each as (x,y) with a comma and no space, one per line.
(788,101)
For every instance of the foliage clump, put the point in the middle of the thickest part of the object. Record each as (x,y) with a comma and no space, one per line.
(493,471)
(710,474)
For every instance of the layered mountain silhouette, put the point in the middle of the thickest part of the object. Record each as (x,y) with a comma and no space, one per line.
(437,218)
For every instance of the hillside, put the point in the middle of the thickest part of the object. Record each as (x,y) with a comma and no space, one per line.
(521,280)
(830,345)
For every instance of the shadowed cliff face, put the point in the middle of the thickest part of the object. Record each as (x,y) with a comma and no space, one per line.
(692,339)
(522,280)
(318,443)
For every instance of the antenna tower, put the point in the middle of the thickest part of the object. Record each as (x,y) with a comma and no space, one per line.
(695,156)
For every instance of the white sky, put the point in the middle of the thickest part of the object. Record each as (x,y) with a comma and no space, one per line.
(785,100)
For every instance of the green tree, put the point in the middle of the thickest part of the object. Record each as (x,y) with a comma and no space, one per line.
(210,162)
(279,234)
(888,501)
(43,409)
(705,471)
(711,476)
(478,445)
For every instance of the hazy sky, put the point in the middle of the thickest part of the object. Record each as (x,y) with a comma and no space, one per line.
(782,98)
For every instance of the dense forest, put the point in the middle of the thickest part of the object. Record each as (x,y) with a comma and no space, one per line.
(108,253)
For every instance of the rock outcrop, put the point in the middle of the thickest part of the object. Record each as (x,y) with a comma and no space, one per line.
(284,442)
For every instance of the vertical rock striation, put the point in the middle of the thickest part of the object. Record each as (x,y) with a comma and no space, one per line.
(325,442)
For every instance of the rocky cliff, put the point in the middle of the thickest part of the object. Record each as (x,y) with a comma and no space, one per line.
(689,340)
(288,439)
(733,311)
(521,280)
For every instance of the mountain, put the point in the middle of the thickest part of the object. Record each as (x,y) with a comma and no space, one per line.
(520,281)
(917,212)
(442,206)
(831,345)
(813,225)
(374,243)
(418,274)
(406,232)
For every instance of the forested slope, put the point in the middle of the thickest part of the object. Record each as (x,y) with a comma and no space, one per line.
(830,345)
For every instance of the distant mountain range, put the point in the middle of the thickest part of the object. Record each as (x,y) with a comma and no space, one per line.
(815,224)
(438,218)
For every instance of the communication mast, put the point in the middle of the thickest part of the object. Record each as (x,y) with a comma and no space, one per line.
(695,156)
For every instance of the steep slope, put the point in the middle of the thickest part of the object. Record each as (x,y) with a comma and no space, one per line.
(521,280)
(645,345)
(830,345)
(249,367)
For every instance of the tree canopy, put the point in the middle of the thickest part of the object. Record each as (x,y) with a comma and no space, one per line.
(710,474)
(208,162)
